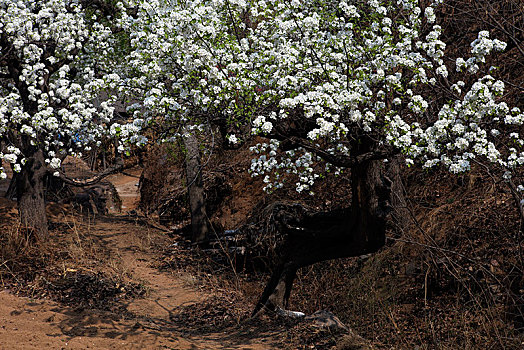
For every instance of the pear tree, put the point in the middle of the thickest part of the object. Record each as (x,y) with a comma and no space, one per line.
(56,64)
(347,85)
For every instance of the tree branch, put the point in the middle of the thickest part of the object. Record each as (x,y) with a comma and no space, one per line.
(95,179)
(343,161)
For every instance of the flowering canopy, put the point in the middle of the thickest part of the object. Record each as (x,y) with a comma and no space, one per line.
(324,74)
(54,65)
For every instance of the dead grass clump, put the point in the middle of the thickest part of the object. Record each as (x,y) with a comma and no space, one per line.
(35,269)
(21,256)
(16,242)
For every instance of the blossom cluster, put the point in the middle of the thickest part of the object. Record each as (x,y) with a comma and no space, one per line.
(275,166)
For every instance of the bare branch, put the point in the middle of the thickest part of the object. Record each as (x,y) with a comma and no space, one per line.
(119,167)
(341,160)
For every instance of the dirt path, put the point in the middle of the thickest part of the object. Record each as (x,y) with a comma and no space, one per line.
(146,324)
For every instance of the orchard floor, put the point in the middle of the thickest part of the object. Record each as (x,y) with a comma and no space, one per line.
(28,323)
(161,318)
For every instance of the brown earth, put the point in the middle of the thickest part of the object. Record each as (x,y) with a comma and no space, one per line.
(122,246)
(452,281)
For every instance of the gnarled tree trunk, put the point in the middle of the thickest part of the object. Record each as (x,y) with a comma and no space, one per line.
(315,237)
(11,190)
(195,188)
(30,195)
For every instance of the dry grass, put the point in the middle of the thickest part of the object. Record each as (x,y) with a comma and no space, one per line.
(452,279)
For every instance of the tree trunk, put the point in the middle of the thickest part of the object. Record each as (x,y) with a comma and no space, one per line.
(195,188)
(400,216)
(11,190)
(30,195)
(315,237)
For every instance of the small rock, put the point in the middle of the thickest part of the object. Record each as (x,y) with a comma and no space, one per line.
(288,313)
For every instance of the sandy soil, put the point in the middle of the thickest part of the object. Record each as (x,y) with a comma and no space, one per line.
(43,324)
(127,186)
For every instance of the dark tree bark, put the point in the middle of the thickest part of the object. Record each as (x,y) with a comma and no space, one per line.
(195,188)
(315,237)
(30,195)
(400,215)
(11,190)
